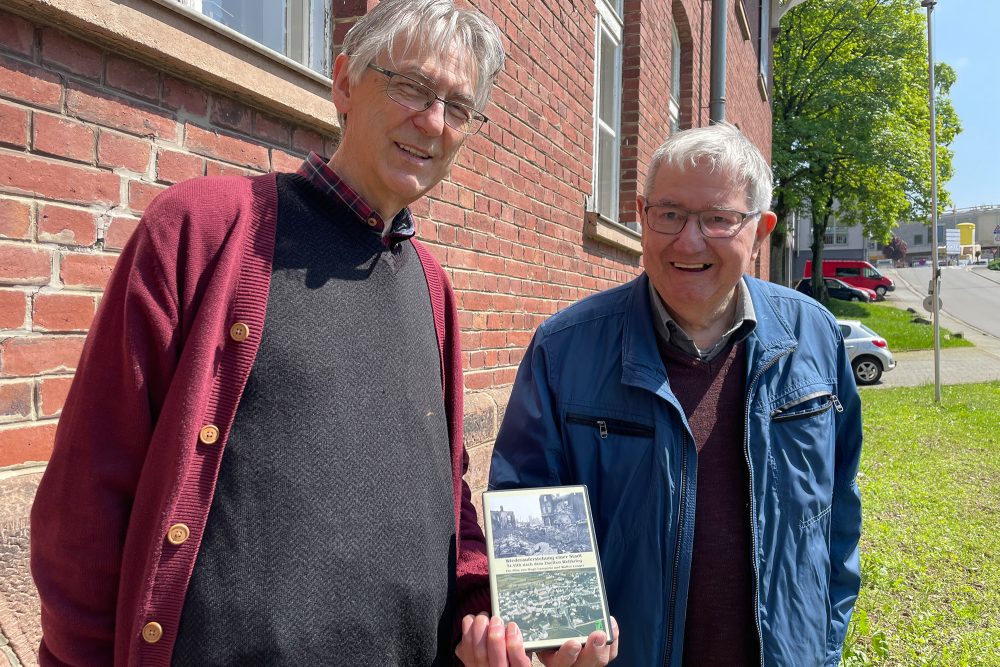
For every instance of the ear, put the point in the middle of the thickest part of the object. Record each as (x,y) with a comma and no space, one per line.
(764,228)
(341,92)
(640,202)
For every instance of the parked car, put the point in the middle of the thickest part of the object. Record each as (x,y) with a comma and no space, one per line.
(838,289)
(854,272)
(869,353)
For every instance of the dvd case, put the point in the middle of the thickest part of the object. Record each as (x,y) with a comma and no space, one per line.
(545,572)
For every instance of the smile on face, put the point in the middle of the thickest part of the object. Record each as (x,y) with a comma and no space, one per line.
(389,154)
(695,276)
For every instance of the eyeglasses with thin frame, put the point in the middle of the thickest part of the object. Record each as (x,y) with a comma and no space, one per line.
(715,223)
(414,95)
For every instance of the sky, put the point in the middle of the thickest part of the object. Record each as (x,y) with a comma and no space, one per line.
(966,35)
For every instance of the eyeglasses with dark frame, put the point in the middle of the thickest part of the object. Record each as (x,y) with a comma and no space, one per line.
(715,223)
(412,94)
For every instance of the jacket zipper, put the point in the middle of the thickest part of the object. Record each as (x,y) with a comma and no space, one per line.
(677,554)
(781,414)
(616,426)
(753,504)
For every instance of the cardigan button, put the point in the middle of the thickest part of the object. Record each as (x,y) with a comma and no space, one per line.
(239,332)
(177,534)
(209,435)
(152,632)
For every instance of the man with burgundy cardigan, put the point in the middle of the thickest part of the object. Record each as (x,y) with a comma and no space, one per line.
(260,460)
(715,421)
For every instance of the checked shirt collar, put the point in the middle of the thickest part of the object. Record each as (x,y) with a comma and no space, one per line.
(324,179)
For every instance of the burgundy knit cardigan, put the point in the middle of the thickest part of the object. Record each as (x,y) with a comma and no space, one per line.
(132,458)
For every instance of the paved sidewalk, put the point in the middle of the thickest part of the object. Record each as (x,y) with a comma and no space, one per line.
(959,365)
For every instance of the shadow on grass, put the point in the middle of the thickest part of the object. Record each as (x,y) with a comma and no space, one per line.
(848,310)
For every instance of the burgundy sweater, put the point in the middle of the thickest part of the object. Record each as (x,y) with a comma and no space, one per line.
(719,628)
(144,426)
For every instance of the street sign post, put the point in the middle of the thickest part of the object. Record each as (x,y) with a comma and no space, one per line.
(936,275)
(952,242)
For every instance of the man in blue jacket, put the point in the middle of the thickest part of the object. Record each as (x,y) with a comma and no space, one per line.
(715,421)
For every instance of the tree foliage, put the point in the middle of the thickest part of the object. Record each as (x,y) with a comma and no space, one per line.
(895,249)
(851,118)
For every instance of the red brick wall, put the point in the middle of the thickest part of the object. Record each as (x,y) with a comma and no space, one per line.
(89,136)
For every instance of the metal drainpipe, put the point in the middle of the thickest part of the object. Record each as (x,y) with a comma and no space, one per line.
(717,104)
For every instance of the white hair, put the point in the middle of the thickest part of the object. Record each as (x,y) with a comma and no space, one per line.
(435,24)
(722,148)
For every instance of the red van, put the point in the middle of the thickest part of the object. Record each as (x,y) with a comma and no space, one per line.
(854,272)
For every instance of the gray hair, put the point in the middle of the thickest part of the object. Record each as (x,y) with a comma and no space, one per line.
(435,24)
(723,149)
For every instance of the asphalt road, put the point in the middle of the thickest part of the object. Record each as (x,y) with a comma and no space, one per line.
(970,295)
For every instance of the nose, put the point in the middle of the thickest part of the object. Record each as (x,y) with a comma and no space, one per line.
(690,235)
(430,120)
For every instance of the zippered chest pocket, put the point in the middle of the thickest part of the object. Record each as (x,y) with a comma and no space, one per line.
(807,406)
(606,426)
(802,451)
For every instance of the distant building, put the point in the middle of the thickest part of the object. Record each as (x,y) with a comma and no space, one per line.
(987,232)
(502,521)
(562,510)
(842,242)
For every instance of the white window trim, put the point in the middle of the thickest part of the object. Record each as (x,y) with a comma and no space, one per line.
(673,106)
(196,15)
(610,22)
(833,230)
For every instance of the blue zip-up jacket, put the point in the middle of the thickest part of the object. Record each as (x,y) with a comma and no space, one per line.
(592,405)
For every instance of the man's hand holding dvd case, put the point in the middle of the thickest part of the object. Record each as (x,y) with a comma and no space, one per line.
(545,572)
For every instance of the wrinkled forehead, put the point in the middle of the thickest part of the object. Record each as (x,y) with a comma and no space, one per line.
(451,60)
(720,186)
(707,171)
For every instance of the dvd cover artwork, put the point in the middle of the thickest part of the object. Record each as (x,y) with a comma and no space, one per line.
(545,571)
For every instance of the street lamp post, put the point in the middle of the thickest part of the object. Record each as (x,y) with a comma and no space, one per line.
(935,286)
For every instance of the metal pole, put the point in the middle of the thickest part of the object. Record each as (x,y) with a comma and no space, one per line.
(936,271)
(793,244)
(717,75)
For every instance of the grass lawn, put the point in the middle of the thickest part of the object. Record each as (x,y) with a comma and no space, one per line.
(895,325)
(930,563)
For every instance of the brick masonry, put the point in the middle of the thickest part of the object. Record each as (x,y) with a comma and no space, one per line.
(89,136)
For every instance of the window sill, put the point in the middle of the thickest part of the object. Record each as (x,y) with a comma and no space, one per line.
(167,38)
(741,19)
(612,233)
(762,87)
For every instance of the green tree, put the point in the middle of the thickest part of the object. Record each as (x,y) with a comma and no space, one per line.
(851,120)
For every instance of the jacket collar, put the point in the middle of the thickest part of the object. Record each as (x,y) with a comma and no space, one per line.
(773,335)
(641,363)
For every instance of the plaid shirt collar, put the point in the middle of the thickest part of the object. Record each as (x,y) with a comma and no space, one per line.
(318,172)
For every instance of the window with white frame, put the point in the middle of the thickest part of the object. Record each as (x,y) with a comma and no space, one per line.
(835,235)
(764,42)
(296,29)
(607,108)
(675,79)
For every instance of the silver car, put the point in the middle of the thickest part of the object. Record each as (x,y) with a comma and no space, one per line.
(869,353)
